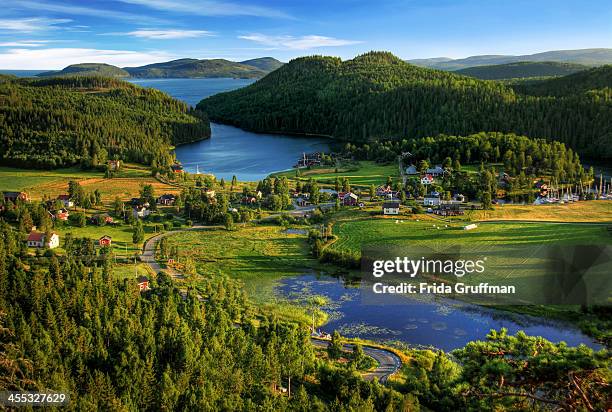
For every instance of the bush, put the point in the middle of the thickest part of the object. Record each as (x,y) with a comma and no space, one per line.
(167,225)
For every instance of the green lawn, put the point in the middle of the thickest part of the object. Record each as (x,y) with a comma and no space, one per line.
(364,173)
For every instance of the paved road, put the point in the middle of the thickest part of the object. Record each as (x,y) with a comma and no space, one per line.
(388,362)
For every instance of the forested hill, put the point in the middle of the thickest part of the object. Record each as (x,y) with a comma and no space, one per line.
(88,69)
(597,80)
(522,70)
(61,121)
(193,68)
(377,95)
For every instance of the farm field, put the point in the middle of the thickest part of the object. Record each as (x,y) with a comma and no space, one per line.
(364,173)
(40,183)
(591,211)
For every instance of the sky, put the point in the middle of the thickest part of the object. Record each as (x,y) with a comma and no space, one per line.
(49,34)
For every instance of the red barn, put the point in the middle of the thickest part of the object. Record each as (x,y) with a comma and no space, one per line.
(105,240)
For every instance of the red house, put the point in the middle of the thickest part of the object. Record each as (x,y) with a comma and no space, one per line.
(105,240)
(143,283)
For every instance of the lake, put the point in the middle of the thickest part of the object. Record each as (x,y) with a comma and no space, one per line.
(442,323)
(232,151)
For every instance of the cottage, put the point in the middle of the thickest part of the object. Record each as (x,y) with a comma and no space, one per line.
(105,241)
(143,283)
(349,199)
(248,200)
(166,199)
(412,170)
(37,239)
(66,200)
(432,199)
(114,165)
(140,212)
(437,170)
(14,196)
(177,168)
(62,214)
(391,208)
(427,179)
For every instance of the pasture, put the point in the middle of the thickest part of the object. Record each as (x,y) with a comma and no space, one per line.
(363,173)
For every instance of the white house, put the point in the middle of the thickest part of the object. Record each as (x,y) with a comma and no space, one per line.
(391,208)
(427,179)
(37,239)
(432,199)
(140,212)
(65,199)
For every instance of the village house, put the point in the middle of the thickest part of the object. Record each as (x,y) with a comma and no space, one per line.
(427,179)
(140,212)
(437,170)
(348,199)
(143,283)
(449,209)
(248,200)
(101,219)
(412,170)
(383,190)
(302,201)
(431,199)
(391,208)
(167,199)
(14,196)
(458,197)
(105,241)
(61,214)
(66,200)
(37,239)
(114,165)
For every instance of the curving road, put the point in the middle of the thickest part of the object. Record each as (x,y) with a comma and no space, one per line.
(388,362)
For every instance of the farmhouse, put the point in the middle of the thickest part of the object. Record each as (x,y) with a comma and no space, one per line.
(114,165)
(143,283)
(412,170)
(37,239)
(427,179)
(140,212)
(432,199)
(14,196)
(449,209)
(105,240)
(66,200)
(348,199)
(166,199)
(391,208)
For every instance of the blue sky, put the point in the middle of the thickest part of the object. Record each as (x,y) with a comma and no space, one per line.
(50,34)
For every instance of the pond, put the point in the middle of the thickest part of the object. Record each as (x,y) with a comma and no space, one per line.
(232,151)
(441,323)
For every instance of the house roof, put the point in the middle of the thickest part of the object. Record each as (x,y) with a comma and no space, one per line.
(429,177)
(351,194)
(142,279)
(106,237)
(63,197)
(12,194)
(36,237)
(391,205)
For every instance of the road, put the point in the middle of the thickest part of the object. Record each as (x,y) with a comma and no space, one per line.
(388,362)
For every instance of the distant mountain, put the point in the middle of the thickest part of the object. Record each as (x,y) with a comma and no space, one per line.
(193,68)
(597,81)
(264,63)
(522,70)
(87,69)
(588,57)
(379,96)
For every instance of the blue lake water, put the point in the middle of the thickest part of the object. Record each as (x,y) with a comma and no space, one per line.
(232,151)
(22,73)
(443,323)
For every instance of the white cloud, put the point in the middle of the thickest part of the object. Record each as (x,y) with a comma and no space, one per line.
(32,24)
(298,43)
(25,43)
(169,34)
(58,58)
(72,10)
(209,8)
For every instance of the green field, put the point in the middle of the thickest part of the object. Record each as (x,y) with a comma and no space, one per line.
(256,254)
(364,173)
(353,234)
